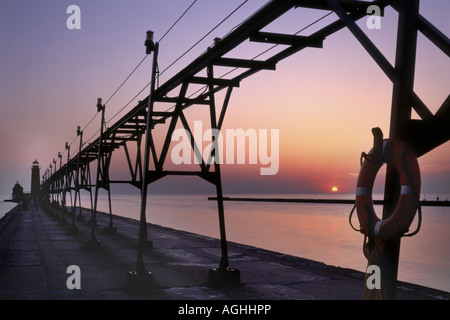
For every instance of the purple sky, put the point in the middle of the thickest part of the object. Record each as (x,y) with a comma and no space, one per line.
(327,100)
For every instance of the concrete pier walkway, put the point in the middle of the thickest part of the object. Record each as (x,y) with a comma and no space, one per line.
(36,249)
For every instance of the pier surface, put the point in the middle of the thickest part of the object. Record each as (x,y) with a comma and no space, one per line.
(36,249)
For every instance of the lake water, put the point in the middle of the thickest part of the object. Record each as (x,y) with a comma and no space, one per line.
(319,232)
(5,207)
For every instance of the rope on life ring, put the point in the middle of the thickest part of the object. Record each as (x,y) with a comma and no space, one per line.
(419,223)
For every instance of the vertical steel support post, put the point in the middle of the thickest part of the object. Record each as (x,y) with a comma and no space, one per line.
(143,235)
(90,188)
(93,242)
(141,279)
(110,227)
(223,238)
(67,184)
(61,182)
(51,192)
(400,114)
(224,275)
(46,191)
(79,167)
(74,228)
(56,184)
(53,188)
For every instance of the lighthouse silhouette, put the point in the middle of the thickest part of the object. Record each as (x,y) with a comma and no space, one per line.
(35,192)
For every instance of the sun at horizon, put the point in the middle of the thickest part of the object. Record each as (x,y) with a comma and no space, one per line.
(334,189)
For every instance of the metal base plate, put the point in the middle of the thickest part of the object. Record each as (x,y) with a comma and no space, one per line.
(228,277)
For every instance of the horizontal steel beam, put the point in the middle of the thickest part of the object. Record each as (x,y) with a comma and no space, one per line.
(215,82)
(183,101)
(267,14)
(286,39)
(243,63)
(348,5)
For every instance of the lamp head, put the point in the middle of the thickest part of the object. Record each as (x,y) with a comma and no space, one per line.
(149,44)
(99,105)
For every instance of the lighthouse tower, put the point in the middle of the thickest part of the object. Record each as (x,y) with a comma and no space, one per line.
(35,180)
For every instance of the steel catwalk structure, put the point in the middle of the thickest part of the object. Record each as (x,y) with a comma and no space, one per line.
(137,126)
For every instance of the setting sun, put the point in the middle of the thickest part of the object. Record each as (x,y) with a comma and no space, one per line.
(334,189)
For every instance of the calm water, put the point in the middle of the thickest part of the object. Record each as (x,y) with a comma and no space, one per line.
(319,232)
(5,207)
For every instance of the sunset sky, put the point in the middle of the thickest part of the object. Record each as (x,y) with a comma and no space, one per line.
(324,102)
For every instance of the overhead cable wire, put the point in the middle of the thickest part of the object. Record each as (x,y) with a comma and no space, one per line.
(129,102)
(165,34)
(195,44)
(255,57)
(109,99)
(137,66)
(145,57)
(92,119)
(187,51)
(173,25)
(121,85)
(95,133)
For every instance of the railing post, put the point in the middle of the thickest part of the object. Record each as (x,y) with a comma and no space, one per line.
(74,228)
(141,279)
(61,182)
(400,114)
(93,243)
(224,275)
(67,184)
(110,228)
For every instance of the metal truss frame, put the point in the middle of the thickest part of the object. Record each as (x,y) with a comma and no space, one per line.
(137,125)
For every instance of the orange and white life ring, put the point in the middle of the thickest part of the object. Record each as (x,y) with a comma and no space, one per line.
(398,154)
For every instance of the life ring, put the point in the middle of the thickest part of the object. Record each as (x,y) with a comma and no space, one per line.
(398,154)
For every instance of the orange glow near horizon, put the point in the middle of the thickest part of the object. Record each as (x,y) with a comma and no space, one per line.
(334,189)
